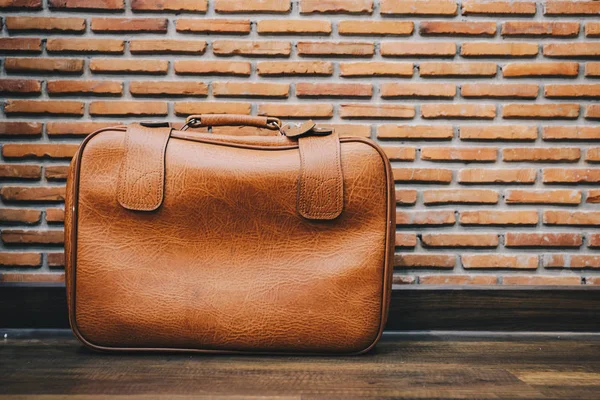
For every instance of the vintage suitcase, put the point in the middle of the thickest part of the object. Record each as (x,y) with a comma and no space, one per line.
(193,241)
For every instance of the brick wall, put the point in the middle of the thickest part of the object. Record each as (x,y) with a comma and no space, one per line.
(488,111)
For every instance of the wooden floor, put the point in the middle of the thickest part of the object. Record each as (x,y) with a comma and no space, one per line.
(424,366)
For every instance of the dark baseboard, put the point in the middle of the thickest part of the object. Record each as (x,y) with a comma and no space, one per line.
(511,309)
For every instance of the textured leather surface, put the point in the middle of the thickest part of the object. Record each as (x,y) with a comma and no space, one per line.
(321,182)
(226,263)
(230,119)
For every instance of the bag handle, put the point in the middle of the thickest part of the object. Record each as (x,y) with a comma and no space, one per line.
(200,120)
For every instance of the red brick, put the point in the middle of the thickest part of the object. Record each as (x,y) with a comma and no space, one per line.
(45,24)
(503,90)
(579,7)
(21,215)
(457,280)
(307,89)
(459,239)
(572,49)
(437,218)
(460,196)
(87,4)
(167,46)
(419,7)
(85,45)
(290,110)
(593,196)
(32,193)
(457,154)
(406,197)
(497,217)
(462,28)
(366,27)
(571,133)
(475,7)
(31,277)
(418,49)
(593,155)
(250,89)
(14,259)
(400,153)
(539,69)
(130,25)
(336,6)
(581,261)
(449,69)
(197,67)
(355,49)
(56,172)
(128,108)
(526,239)
(392,90)
(251,48)
(503,175)
(128,66)
(23,236)
(545,111)
(74,128)
(18,44)
(296,26)
(539,28)
(430,175)
(39,150)
(46,65)
(199,6)
(575,218)
(562,196)
(62,87)
(417,132)
(594,240)
(376,68)
(25,4)
(168,88)
(541,280)
(592,69)
(458,110)
(571,175)
(20,171)
(54,215)
(499,261)
(427,260)
(592,29)
(592,112)
(185,108)
(56,259)
(541,154)
(278,68)
(398,279)
(504,49)
(44,107)
(241,26)
(22,86)
(572,91)
(498,132)
(366,110)
(252,6)
(16,129)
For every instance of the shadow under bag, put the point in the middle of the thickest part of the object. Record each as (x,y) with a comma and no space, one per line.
(194,241)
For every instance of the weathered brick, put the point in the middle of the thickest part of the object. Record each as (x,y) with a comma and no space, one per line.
(22,236)
(592,111)
(592,69)
(581,261)
(425,260)
(497,217)
(498,132)
(186,108)
(418,49)
(457,280)
(307,89)
(458,110)
(252,6)
(15,259)
(336,6)
(558,217)
(85,45)
(128,108)
(546,239)
(503,175)
(55,215)
(250,89)
(22,86)
(592,29)
(64,87)
(168,88)
(405,240)
(376,68)
(129,25)
(541,154)
(572,49)
(199,6)
(39,150)
(197,67)
(538,280)
(296,26)
(167,46)
(354,49)
(277,68)
(449,69)
(45,65)
(594,240)
(87,4)
(45,24)
(539,69)
(475,7)
(56,172)
(15,129)
(572,132)
(251,48)
(571,175)
(406,197)
(56,259)
(460,196)
(457,154)
(572,91)
(20,45)
(43,107)
(504,49)
(367,27)
(418,7)
(592,155)
(28,5)
(33,193)
(502,90)
(580,7)
(366,110)
(241,26)
(417,132)
(74,128)
(539,28)
(429,175)
(499,261)
(20,171)
(562,196)
(392,90)
(128,66)
(32,277)
(462,28)
(460,239)
(543,111)
(20,215)
(400,153)
(314,110)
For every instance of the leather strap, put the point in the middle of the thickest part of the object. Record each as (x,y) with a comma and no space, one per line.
(199,120)
(321,185)
(142,176)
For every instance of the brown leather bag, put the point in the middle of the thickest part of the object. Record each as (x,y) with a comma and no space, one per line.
(188,241)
